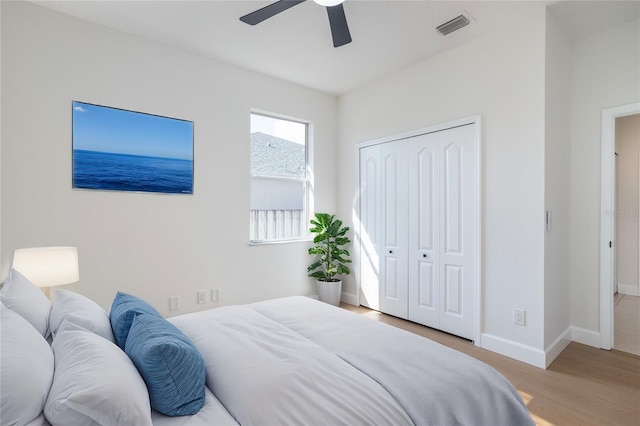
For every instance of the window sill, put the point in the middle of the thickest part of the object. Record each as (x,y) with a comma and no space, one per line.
(269,242)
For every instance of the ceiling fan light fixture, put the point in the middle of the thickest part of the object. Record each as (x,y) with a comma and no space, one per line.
(328,3)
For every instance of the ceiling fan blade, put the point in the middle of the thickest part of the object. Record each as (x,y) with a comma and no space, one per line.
(267,12)
(339,27)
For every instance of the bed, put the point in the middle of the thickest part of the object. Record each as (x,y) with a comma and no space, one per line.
(290,361)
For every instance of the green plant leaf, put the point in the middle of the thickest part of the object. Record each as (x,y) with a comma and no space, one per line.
(319,238)
(315,264)
(343,270)
(334,228)
(343,253)
(323,219)
(342,241)
(319,275)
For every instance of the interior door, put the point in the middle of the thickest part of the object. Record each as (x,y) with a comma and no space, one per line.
(370,213)
(458,232)
(442,244)
(394,219)
(425,158)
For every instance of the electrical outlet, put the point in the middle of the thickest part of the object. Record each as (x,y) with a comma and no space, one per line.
(215,294)
(519,316)
(202,297)
(174,303)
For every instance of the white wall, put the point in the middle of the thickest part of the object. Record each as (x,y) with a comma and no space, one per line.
(502,78)
(1,143)
(151,245)
(627,175)
(557,186)
(605,74)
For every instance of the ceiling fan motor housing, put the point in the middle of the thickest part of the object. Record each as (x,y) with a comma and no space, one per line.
(335,10)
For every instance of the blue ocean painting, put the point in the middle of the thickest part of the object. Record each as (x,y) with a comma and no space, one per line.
(121,150)
(123,172)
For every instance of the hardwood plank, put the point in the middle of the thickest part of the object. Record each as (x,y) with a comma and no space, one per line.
(627,324)
(583,386)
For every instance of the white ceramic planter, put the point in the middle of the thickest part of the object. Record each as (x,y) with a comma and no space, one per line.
(329,292)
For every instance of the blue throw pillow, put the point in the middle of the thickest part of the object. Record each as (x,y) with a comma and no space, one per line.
(124,309)
(169,363)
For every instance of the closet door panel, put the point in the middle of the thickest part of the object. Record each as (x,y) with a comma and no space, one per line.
(390,287)
(394,292)
(452,215)
(458,254)
(425,170)
(423,188)
(370,215)
(453,290)
(426,289)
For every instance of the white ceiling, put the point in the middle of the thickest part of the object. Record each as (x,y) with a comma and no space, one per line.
(296,45)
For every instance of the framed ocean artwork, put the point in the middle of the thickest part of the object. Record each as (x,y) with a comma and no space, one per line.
(120,150)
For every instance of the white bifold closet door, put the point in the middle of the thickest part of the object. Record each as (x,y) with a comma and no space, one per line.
(394,249)
(442,247)
(418,211)
(370,229)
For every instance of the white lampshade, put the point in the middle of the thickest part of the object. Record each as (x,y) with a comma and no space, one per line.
(48,266)
(328,3)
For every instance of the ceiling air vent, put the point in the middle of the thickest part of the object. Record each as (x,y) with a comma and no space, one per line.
(453,25)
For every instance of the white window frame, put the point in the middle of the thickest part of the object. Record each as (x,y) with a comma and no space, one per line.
(306,180)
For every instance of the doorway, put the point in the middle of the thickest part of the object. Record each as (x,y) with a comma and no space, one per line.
(626,301)
(620,230)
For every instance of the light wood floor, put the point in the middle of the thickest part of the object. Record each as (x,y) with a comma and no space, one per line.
(626,328)
(583,386)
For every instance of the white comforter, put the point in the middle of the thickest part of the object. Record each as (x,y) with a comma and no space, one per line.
(298,361)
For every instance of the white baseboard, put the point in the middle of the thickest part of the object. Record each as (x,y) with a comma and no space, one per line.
(515,350)
(526,353)
(586,337)
(349,298)
(631,290)
(557,346)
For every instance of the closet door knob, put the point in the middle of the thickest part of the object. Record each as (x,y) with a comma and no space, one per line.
(424,255)
(390,251)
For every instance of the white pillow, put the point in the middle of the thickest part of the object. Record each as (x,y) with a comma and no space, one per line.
(94,382)
(41,420)
(80,310)
(27,300)
(26,368)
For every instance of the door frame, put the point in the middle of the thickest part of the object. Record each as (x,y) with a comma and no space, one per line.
(607,217)
(477,204)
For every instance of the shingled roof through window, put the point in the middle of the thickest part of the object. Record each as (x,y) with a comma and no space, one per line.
(272,156)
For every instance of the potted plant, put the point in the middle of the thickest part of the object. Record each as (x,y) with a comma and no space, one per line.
(329,240)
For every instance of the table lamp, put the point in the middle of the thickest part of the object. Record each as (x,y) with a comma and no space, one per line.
(48,266)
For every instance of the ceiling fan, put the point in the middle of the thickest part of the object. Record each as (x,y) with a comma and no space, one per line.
(337,19)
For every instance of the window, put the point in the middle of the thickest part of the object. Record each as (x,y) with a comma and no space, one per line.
(279,179)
